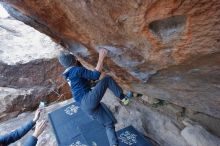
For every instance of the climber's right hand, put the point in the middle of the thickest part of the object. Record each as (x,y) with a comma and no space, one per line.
(102,53)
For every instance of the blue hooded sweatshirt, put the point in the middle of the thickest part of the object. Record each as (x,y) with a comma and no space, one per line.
(79,80)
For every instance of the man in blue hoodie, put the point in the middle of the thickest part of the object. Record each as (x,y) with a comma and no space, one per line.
(20,132)
(78,77)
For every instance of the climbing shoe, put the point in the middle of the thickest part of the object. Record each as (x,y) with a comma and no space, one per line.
(129,94)
(125,101)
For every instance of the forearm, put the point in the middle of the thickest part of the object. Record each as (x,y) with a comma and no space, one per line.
(24,129)
(102,54)
(16,134)
(99,65)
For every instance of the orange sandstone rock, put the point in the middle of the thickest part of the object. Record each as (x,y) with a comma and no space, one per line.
(164,49)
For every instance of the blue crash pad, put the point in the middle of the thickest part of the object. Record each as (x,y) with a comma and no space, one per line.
(131,137)
(94,133)
(65,123)
(76,141)
(72,127)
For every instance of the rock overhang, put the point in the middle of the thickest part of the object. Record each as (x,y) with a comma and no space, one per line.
(155,46)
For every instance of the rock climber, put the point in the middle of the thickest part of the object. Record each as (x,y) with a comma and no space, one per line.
(78,78)
(20,132)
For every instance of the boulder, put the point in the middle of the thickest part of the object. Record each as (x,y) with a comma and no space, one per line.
(196,135)
(28,72)
(149,100)
(163,49)
(24,85)
(162,129)
(13,101)
(20,43)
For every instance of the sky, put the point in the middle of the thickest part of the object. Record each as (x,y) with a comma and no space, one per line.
(3,12)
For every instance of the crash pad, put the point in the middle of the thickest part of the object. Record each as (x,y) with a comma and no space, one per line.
(73,127)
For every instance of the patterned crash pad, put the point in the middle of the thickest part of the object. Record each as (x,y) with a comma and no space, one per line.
(94,133)
(72,127)
(131,137)
(65,123)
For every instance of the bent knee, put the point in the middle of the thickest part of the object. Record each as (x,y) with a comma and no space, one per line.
(107,77)
(109,125)
(88,109)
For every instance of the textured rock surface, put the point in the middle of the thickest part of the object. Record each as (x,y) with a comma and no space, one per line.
(172,45)
(13,101)
(28,71)
(160,128)
(34,73)
(20,43)
(163,124)
(40,78)
(206,121)
(196,135)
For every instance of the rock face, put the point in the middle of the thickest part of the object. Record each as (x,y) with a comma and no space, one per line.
(160,128)
(28,72)
(20,43)
(13,101)
(163,49)
(24,85)
(170,129)
(196,135)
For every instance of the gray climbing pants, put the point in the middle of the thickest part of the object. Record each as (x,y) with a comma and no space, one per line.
(90,103)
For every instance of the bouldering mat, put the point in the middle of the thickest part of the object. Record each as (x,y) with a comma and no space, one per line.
(72,127)
(65,122)
(131,137)
(94,133)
